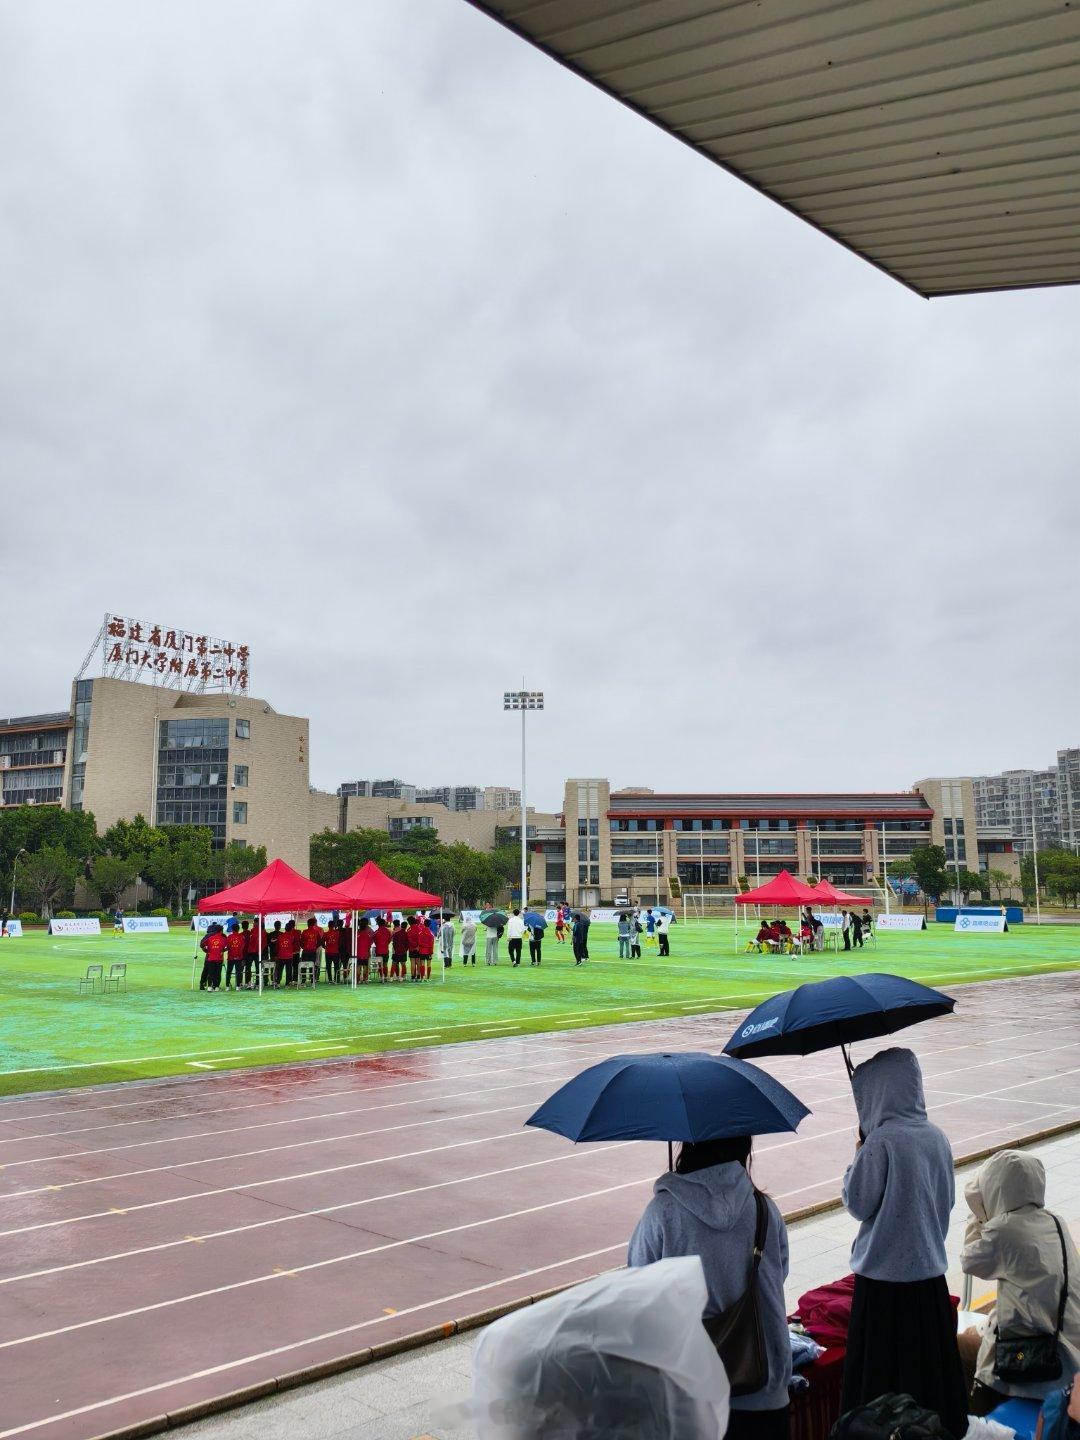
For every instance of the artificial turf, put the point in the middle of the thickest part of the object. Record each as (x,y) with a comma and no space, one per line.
(52,1037)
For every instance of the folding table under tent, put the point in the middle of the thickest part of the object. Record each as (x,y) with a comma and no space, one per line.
(372,889)
(277,888)
(783,891)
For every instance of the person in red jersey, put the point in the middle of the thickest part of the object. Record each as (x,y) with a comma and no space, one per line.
(365,939)
(212,945)
(345,955)
(288,949)
(427,949)
(311,939)
(399,949)
(383,937)
(251,954)
(414,935)
(332,951)
(236,948)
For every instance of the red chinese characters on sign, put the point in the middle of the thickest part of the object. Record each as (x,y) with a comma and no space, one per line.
(134,649)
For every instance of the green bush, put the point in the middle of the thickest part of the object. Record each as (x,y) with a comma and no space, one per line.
(64,915)
(28,917)
(105,916)
(161,910)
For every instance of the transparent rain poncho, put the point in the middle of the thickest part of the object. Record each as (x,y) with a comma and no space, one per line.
(621,1357)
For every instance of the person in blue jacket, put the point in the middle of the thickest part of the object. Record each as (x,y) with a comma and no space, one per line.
(900,1187)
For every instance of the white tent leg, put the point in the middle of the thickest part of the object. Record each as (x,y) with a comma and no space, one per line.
(259,951)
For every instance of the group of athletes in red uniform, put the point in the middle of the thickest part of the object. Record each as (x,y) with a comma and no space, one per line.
(385,949)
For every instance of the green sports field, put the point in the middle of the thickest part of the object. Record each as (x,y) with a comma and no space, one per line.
(53,1037)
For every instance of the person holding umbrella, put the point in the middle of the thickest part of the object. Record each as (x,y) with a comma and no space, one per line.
(491,945)
(536,925)
(706,1205)
(580,936)
(900,1187)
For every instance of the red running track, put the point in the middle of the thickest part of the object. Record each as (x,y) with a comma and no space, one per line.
(166,1242)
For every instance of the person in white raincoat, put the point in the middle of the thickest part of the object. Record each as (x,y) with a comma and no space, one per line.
(1011,1238)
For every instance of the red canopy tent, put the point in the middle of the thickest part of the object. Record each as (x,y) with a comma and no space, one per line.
(828,891)
(372,889)
(278,887)
(784,889)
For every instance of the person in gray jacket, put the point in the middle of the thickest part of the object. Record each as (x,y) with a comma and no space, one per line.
(1011,1238)
(707,1207)
(902,1335)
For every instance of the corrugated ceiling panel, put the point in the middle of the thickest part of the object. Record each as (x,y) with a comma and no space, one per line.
(940,141)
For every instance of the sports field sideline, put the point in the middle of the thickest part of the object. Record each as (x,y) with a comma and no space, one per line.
(53,1037)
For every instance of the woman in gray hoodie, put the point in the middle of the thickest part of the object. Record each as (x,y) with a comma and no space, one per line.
(707,1207)
(902,1336)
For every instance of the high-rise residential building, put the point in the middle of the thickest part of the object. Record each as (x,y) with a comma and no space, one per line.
(1033,803)
(454,797)
(501,797)
(33,758)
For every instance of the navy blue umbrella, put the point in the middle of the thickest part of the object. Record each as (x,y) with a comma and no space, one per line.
(827,1013)
(689,1096)
(535,921)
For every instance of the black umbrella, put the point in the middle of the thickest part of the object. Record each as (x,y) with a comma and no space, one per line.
(494,919)
(825,1013)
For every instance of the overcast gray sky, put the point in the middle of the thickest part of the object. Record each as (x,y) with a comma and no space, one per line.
(369,336)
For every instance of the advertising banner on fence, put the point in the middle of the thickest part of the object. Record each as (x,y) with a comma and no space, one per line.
(203,922)
(145,924)
(74,927)
(12,929)
(830,919)
(900,922)
(981,924)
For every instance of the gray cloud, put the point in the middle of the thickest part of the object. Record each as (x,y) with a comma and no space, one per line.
(371,337)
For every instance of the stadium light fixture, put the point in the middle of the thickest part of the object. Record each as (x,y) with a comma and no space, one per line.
(523,701)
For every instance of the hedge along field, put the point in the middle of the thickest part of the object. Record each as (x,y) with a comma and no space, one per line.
(52,1037)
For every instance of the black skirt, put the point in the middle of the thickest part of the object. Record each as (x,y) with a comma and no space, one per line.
(902,1341)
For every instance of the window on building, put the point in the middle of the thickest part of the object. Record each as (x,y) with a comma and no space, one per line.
(243,729)
(239,812)
(240,844)
(240,775)
(594,827)
(948,826)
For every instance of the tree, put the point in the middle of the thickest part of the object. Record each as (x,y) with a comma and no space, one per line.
(29,827)
(48,877)
(1059,871)
(238,862)
(133,837)
(928,868)
(334,857)
(967,882)
(186,861)
(1001,881)
(111,875)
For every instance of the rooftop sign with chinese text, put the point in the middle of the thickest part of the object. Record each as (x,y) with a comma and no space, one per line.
(159,655)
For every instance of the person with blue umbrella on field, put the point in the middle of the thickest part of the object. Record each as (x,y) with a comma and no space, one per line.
(707,1204)
(899,1186)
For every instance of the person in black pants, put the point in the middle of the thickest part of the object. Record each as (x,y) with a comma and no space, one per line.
(536,940)
(856,930)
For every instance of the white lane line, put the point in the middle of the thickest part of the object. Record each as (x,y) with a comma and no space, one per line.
(114,1212)
(206,1065)
(247,1154)
(312,1265)
(353,1112)
(204,1235)
(300,1344)
(355,1090)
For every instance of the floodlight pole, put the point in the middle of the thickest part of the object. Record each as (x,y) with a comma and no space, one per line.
(523,700)
(884,867)
(1035,859)
(14,868)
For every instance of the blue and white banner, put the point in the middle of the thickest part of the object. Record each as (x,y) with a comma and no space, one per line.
(145,924)
(900,922)
(75,927)
(981,924)
(12,929)
(203,922)
(830,919)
